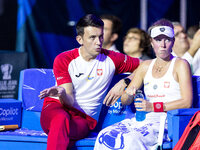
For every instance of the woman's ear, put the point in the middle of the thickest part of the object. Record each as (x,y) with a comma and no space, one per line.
(79,39)
(114,37)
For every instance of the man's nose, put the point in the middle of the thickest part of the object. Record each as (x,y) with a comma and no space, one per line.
(183,35)
(98,41)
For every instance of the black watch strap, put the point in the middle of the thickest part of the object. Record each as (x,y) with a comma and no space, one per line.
(127,81)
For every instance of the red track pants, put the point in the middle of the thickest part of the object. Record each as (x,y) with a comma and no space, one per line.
(63,125)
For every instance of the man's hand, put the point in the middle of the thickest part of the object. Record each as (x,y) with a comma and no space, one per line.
(114,93)
(52,91)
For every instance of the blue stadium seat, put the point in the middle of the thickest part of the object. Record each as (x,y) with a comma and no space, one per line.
(30,136)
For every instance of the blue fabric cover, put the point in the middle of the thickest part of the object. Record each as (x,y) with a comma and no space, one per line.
(24,132)
(32,82)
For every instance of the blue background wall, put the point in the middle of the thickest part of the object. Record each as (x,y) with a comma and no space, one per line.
(45,28)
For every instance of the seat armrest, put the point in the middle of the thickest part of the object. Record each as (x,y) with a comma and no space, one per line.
(177,121)
(182,112)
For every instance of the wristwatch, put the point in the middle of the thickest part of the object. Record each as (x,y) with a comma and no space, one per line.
(127,81)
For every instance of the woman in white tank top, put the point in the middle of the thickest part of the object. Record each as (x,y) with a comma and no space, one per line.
(164,79)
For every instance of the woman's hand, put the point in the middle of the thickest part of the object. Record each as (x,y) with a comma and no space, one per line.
(143,105)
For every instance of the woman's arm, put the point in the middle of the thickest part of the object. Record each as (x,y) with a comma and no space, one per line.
(183,75)
(136,83)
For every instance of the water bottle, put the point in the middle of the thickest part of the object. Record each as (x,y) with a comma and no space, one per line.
(140,115)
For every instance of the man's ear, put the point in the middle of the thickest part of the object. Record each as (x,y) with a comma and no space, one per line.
(114,37)
(79,39)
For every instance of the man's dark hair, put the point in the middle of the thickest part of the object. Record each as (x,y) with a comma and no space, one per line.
(116,22)
(88,20)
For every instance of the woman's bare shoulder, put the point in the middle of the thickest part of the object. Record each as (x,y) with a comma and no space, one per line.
(146,63)
(181,64)
(181,61)
(143,67)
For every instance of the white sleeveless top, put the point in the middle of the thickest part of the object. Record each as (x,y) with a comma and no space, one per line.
(164,89)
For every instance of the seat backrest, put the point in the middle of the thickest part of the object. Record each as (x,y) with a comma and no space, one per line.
(196,91)
(32,82)
(117,112)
